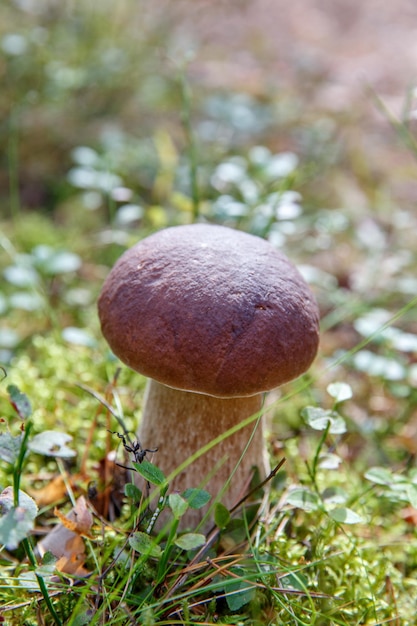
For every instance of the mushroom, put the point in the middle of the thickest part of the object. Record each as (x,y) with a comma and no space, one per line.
(214,317)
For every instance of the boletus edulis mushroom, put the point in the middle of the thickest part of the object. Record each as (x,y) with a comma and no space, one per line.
(214,317)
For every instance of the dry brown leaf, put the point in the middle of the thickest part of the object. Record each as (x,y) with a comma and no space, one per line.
(79,520)
(65,541)
(54,491)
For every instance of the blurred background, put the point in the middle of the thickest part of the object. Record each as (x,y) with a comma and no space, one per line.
(108,76)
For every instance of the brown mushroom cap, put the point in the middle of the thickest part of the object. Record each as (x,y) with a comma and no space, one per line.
(209,309)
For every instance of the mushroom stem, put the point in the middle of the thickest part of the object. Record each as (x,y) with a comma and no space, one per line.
(180,423)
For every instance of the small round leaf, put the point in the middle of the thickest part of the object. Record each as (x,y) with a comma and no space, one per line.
(144,544)
(190,541)
(345,516)
(196,498)
(340,391)
(52,443)
(221,515)
(303,499)
(177,504)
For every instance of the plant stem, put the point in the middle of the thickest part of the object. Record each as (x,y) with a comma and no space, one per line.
(42,586)
(17,470)
(312,469)
(27,546)
(168,549)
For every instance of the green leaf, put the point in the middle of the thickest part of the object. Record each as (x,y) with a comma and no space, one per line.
(319,419)
(10,447)
(78,337)
(49,558)
(380,476)
(304,499)
(46,570)
(372,322)
(81,619)
(177,504)
(238,592)
(329,461)
(190,541)
(52,443)
(54,262)
(150,472)
(29,580)
(345,516)
(412,475)
(196,498)
(399,489)
(295,581)
(25,502)
(132,492)
(15,522)
(221,515)
(145,544)
(15,525)
(334,495)
(20,402)
(412,494)
(21,276)
(379,366)
(8,339)
(340,391)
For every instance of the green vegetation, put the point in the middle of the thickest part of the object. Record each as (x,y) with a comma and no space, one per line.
(108,137)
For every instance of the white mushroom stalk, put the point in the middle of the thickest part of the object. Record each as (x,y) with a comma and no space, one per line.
(215,317)
(181,420)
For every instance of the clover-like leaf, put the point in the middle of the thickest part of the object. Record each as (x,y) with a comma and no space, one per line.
(329,461)
(340,391)
(78,336)
(16,522)
(334,495)
(238,590)
(304,499)
(10,447)
(132,492)
(177,504)
(145,544)
(52,443)
(221,515)
(53,262)
(190,541)
(320,419)
(344,515)
(196,498)
(20,402)
(294,580)
(412,494)
(380,476)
